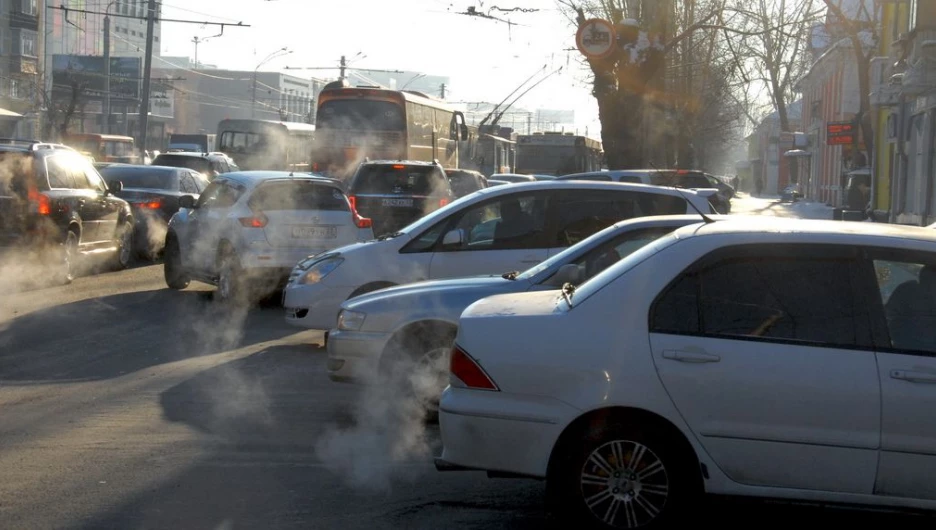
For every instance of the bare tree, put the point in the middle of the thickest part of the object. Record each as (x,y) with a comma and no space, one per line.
(772,53)
(863,36)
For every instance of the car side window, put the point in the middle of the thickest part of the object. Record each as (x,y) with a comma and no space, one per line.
(187,183)
(218,194)
(59,174)
(779,294)
(506,223)
(907,291)
(91,174)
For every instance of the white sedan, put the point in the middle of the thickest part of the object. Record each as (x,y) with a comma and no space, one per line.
(493,230)
(771,358)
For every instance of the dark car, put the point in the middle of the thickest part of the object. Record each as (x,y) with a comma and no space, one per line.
(683,178)
(208,164)
(465,182)
(55,205)
(154,193)
(395,193)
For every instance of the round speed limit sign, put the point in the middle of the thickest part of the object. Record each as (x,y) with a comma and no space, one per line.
(595,38)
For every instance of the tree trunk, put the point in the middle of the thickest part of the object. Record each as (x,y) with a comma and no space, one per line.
(621,116)
(864,100)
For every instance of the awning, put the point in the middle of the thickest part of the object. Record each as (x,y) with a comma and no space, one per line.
(797,153)
(4,113)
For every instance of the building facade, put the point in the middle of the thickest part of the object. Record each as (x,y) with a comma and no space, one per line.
(769,168)
(20,49)
(197,100)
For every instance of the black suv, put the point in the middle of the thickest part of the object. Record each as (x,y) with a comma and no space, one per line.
(54,203)
(209,164)
(395,193)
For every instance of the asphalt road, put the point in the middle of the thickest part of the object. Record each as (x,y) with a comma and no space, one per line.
(127,405)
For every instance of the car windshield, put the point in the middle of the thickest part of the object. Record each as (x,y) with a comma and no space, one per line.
(142,178)
(398,179)
(298,195)
(570,253)
(597,282)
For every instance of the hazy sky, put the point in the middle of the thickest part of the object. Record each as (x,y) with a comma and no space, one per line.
(484,59)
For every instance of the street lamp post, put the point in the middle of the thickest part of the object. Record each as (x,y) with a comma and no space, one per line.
(268,58)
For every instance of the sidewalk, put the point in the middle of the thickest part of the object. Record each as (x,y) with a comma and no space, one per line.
(745,204)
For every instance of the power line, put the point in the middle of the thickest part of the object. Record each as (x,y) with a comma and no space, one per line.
(157,19)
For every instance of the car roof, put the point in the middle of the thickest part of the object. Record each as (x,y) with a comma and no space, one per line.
(809,230)
(253,178)
(147,167)
(516,187)
(400,162)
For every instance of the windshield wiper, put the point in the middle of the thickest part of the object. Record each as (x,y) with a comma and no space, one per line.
(512,275)
(389,236)
(567,291)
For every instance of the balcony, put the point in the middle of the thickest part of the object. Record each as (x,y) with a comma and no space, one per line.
(22,20)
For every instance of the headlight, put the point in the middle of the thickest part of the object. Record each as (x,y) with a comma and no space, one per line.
(319,270)
(350,320)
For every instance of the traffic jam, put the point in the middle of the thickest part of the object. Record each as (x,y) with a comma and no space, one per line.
(399,317)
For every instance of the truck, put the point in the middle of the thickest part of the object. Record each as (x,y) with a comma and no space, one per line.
(198,143)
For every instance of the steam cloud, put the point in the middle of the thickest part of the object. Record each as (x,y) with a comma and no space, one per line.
(389,431)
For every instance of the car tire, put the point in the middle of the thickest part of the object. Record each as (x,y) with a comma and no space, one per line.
(70,254)
(124,253)
(623,476)
(172,266)
(418,367)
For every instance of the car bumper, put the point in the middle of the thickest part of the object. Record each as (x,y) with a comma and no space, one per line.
(499,431)
(262,255)
(354,356)
(314,306)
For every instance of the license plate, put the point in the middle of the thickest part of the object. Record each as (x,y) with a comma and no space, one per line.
(398,202)
(315,232)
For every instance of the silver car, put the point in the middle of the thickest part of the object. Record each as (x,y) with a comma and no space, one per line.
(411,328)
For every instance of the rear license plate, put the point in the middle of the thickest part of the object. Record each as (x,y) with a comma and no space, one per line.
(315,232)
(398,202)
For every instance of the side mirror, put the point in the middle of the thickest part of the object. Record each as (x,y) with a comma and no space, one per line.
(115,187)
(463,129)
(187,201)
(568,273)
(453,238)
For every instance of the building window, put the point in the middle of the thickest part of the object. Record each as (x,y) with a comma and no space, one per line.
(14,89)
(30,7)
(27,43)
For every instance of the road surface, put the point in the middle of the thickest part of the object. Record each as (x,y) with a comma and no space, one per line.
(127,405)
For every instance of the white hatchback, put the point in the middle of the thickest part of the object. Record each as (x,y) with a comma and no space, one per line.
(249,229)
(770,358)
(493,230)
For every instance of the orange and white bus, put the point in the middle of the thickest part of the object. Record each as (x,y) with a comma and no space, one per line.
(354,123)
(104,147)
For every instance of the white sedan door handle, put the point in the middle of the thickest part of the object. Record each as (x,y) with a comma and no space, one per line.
(690,357)
(914,377)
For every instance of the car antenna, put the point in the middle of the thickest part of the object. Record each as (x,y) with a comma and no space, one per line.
(705,218)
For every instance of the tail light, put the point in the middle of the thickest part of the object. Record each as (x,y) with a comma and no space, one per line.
(40,201)
(152,205)
(468,371)
(353,200)
(361,222)
(443,202)
(257,221)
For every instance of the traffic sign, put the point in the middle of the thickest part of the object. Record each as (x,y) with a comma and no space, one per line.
(596,38)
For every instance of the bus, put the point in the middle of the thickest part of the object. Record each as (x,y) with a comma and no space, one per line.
(354,123)
(104,147)
(267,144)
(488,150)
(555,153)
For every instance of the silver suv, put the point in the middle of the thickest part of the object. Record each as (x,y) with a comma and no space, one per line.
(249,229)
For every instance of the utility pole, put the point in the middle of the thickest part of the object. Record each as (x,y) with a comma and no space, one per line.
(344,65)
(147,74)
(442,90)
(107,73)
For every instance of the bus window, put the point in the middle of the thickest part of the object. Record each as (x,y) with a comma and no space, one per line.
(363,114)
(238,140)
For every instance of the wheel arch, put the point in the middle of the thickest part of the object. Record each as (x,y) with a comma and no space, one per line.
(414,329)
(597,418)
